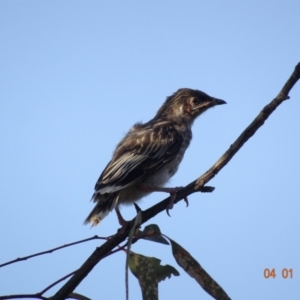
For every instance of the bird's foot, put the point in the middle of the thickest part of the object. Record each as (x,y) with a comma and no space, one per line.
(171,191)
(173,194)
(122,221)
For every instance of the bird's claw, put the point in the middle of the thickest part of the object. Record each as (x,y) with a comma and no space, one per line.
(186,200)
(137,208)
(170,206)
(172,199)
(167,210)
(173,195)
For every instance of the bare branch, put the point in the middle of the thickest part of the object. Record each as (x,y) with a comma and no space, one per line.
(23,296)
(195,186)
(251,129)
(96,237)
(56,282)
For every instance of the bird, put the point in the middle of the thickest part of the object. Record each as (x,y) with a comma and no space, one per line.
(149,154)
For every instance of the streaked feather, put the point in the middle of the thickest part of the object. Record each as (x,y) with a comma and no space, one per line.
(143,151)
(101,210)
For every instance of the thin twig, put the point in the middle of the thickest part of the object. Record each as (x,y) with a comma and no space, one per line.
(23,296)
(120,248)
(52,250)
(56,282)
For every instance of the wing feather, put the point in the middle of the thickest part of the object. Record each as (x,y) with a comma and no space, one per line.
(141,153)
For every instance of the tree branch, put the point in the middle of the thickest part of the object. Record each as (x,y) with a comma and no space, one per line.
(23,296)
(95,237)
(195,186)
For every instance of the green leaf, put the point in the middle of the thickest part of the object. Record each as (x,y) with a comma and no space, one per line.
(194,269)
(165,271)
(152,233)
(149,273)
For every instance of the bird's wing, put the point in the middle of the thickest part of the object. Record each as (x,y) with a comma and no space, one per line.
(141,153)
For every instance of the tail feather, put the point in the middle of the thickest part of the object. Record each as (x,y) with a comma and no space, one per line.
(105,204)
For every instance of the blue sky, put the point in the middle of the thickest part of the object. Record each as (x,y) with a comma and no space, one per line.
(75,75)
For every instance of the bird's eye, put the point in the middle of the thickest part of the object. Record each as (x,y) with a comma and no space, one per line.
(196,101)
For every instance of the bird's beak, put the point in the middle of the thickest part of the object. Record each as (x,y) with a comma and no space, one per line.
(209,102)
(216,101)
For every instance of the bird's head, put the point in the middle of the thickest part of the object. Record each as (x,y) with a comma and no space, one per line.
(187,104)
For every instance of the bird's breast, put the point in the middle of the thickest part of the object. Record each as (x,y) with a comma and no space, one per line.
(161,177)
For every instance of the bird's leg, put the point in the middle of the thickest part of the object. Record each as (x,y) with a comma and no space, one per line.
(171,191)
(121,220)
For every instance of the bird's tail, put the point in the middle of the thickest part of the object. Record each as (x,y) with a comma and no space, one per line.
(104,204)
